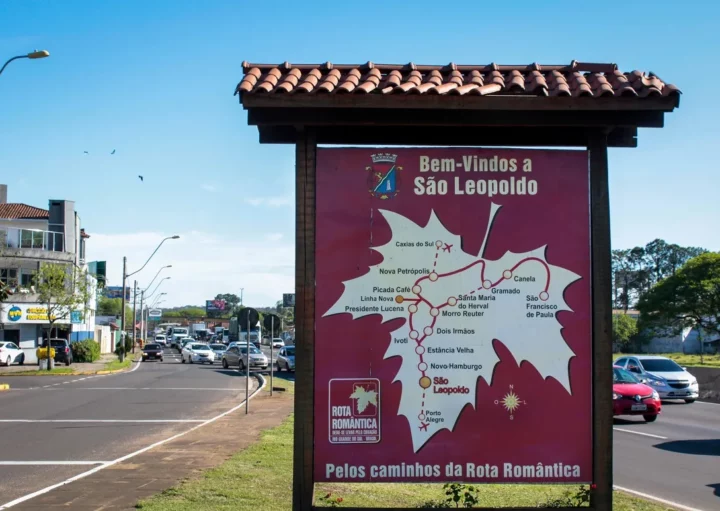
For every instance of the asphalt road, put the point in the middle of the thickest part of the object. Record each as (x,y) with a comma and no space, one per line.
(52,428)
(676,458)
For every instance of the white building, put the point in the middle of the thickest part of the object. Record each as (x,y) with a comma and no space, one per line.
(29,238)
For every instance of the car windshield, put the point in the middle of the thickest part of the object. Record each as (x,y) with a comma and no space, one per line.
(253,350)
(290,352)
(57,343)
(660,365)
(200,347)
(623,376)
(218,346)
(159,337)
(152,346)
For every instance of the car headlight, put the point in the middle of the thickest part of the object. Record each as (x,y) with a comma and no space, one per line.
(693,383)
(655,395)
(657,383)
(616,396)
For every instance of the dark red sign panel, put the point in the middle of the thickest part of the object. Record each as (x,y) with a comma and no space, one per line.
(453,302)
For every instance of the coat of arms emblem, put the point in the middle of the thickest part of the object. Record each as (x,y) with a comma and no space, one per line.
(383,177)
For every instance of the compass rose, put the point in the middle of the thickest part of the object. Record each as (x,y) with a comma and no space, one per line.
(511,402)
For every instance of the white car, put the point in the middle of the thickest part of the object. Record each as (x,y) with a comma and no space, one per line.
(278,343)
(197,352)
(10,353)
(664,375)
(161,339)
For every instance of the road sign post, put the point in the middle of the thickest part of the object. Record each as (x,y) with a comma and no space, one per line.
(272,332)
(247,367)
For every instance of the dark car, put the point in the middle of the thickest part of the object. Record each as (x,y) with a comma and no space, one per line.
(152,352)
(63,353)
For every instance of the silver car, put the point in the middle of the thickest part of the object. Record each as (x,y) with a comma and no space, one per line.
(235,356)
(286,358)
(219,349)
(664,375)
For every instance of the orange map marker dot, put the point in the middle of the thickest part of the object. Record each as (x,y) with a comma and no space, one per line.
(425,382)
(399,299)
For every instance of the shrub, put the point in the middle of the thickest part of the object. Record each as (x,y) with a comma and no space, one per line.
(128,345)
(85,351)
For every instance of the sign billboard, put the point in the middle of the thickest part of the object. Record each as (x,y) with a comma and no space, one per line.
(155,314)
(76,317)
(453,316)
(215,306)
(116,292)
(37,314)
(289,300)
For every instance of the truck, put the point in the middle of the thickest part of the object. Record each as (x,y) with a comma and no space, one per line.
(237,334)
(198,329)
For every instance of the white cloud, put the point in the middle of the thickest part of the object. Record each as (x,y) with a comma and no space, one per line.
(203,265)
(274,236)
(208,187)
(269,201)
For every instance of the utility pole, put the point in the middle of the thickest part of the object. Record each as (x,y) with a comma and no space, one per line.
(247,367)
(272,333)
(134,315)
(142,317)
(121,354)
(241,302)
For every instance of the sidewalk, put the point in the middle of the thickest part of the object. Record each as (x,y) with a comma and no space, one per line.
(77,367)
(121,486)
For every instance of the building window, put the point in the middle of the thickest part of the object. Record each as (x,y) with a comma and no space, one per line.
(27,278)
(9,276)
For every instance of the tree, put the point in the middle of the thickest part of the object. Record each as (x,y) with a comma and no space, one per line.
(111,307)
(688,299)
(624,329)
(61,289)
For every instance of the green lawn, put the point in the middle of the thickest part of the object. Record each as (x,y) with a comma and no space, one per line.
(260,477)
(115,364)
(685,360)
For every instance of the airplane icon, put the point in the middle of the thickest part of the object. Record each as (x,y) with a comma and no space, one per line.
(447,248)
(424,426)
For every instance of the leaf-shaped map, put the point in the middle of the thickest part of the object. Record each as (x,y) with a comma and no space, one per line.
(363,398)
(455,304)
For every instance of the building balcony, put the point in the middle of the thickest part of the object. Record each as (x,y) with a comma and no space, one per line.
(33,244)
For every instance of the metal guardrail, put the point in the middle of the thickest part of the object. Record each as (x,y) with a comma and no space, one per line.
(37,239)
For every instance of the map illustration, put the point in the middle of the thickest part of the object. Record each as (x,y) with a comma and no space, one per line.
(455,304)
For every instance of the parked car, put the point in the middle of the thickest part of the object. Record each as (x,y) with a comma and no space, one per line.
(161,339)
(235,356)
(153,351)
(630,397)
(63,353)
(278,343)
(197,352)
(286,358)
(219,349)
(10,353)
(664,375)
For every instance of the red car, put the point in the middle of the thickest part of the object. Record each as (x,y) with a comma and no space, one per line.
(630,397)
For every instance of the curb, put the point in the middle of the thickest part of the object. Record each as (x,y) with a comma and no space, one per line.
(79,373)
(4,386)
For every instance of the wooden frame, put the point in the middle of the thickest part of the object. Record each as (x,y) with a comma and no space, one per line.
(307,120)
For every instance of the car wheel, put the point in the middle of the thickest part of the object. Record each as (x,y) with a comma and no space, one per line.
(182,359)
(241,365)
(650,418)
(8,362)
(190,359)
(68,361)
(279,367)
(224,364)
(688,401)
(22,359)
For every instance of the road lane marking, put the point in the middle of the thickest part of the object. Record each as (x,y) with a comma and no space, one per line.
(132,454)
(121,421)
(656,499)
(640,433)
(36,463)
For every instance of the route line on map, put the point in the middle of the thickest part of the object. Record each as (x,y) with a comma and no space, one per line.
(425,381)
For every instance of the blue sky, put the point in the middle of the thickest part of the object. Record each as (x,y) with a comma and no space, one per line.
(154,81)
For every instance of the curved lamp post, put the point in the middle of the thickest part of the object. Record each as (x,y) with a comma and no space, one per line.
(32,55)
(125,276)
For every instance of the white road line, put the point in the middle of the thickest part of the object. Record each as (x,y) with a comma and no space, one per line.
(656,499)
(132,454)
(121,421)
(34,463)
(640,433)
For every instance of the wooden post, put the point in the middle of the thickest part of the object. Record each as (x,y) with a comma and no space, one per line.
(305,150)
(602,322)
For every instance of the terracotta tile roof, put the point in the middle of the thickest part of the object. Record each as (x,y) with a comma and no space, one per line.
(573,80)
(22,211)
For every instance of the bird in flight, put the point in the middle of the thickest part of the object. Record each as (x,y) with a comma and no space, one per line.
(141,179)
(113,151)
(86,152)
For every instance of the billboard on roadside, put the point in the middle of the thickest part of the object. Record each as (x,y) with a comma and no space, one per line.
(216,306)
(116,292)
(155,314)
(452,316)
(289,300)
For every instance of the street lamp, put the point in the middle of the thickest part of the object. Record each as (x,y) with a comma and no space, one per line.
(32,55)
(145,316)
(156,275)
(159,284)
(157,300)
(125,276)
